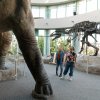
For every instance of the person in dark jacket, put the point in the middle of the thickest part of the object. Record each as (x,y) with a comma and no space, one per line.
(69,59)
(59,61)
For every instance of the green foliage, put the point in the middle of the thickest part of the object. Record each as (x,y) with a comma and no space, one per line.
(90,51)
(14,49)
(53,46)
(59,42)
(41,43)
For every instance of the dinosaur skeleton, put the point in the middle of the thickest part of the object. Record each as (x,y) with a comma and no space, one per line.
(87,27)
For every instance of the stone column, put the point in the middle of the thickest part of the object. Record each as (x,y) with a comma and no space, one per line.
(46,35)
(76,43)
(46,43)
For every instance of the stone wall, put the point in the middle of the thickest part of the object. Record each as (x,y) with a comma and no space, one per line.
(11,72)
(89,64)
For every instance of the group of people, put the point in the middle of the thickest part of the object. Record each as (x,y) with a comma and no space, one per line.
(66,59)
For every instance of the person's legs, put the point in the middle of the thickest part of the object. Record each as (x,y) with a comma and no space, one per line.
(66,70)
(71,71)
(61,70)
(57,66)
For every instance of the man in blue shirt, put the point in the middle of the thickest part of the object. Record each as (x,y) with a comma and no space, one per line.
(59,61)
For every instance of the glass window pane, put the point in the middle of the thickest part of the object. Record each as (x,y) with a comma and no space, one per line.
(98,38)
(61,11)
(51,31)
(42,12)
(81,6)
(53,12)
(91,5)
(35,11)
(41,32)
(53,44)
(91,39)
(98,42)
(70,10)
(41,40)
(98,4)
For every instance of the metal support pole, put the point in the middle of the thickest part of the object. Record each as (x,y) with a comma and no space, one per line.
(87,64)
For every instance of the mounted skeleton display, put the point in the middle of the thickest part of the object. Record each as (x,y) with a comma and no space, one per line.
(87,28)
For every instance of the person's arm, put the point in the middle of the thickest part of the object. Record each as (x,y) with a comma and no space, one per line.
(56,55)
(64,60)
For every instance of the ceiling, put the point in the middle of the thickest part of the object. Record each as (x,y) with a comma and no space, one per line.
(46,2)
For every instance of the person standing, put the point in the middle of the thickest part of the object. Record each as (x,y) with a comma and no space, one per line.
(59,61)
(69,60)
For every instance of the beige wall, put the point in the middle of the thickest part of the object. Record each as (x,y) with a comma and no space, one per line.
(66,22)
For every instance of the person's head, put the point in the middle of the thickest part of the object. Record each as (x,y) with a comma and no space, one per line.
(60,48)
(71,49)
